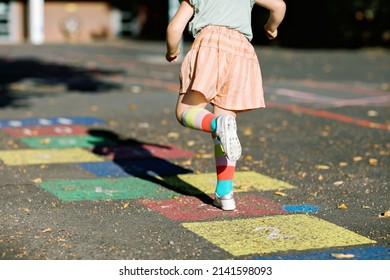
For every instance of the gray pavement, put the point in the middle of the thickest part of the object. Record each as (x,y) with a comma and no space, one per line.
(93,164)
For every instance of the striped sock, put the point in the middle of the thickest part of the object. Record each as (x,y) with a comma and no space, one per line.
(199,119)
(225,170)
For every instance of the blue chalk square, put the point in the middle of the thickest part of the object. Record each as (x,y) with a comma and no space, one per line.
(139,168)
(370,253)
(300,208)
(50,121)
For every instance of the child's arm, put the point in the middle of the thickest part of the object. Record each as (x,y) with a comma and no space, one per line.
(277,10)
(176,28)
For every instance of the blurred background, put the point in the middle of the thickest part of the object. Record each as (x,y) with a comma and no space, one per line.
(308,23)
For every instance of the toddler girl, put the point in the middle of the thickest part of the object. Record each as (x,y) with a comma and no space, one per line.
(221,69)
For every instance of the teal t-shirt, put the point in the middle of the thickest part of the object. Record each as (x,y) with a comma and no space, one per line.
(234,14)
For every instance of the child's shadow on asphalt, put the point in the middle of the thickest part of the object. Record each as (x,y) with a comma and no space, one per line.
(135,159)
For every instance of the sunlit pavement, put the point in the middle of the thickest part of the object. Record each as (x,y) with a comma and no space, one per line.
(94,164)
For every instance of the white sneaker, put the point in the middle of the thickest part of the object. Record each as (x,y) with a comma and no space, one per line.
(225,202)
(227,134)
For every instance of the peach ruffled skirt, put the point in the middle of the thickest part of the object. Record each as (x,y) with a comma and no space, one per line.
(222,64)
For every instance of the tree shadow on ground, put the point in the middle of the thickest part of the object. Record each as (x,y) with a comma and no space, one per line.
(136,159)
(21,79)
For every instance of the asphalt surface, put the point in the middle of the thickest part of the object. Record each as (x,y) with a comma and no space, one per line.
(314,170)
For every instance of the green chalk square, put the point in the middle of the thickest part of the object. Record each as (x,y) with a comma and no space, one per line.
(100,189)
(82,141)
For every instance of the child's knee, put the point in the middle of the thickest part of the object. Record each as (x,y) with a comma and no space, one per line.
(179,115)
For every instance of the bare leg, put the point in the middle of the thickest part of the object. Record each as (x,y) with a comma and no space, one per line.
(189,100)
(220,111)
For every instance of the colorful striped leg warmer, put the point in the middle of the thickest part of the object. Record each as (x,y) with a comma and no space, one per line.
(225,170)
(199,119)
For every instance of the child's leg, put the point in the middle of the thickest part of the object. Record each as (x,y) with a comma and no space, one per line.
(225,170)
(191,112)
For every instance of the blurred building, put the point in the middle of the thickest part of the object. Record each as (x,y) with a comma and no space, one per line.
(331,24)
(48,21)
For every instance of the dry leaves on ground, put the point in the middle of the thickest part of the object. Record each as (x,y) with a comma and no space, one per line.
(322,167)
(280,193)
(342,206)
(37,180)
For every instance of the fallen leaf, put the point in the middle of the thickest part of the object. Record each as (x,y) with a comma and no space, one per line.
(302,174)
(37,180)
(373,161)
(187,162)
(386,214)
(125,205)
(248,131)
(113,123)
(262,140)
(46,230)
(45,141)
(372,113)
(343,256)
(338,183)
(248,157)
(322,167)
(190,143)
(343,164)
(280,193)
(384,153)
(357,158)
(173,135)
(342,206)
(143,125)
(320,177)
(10,142)
(206,155)
(325,133)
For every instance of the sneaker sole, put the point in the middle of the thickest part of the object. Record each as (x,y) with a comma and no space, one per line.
(229,140)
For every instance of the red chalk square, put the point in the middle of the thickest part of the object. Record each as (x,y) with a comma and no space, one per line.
(55,130)
(143,151)
(189,208)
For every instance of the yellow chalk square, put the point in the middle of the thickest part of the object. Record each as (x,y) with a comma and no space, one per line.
(47,156)
(275,233)
(243,181)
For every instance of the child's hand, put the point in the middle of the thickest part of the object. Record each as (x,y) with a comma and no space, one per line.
(173,57)
(271,34)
